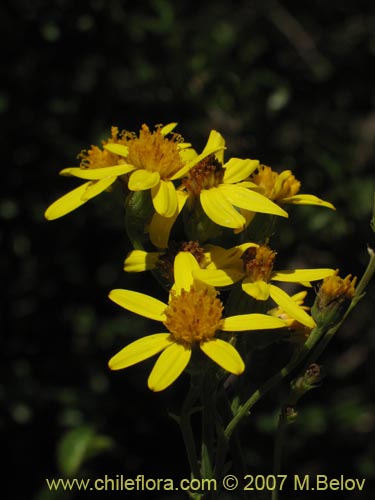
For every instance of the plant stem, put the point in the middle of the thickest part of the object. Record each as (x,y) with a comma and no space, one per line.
(277,455)
(187,432)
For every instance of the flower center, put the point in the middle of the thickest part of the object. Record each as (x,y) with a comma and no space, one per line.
(99,158)
(276,186)
(258,262)
(154,152)
(206,174)
(194,316)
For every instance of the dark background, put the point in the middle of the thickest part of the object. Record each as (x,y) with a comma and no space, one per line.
(288,83)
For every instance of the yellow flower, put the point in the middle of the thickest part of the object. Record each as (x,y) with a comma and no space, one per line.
(283,188)
(156,161)
(208,257)
(99,167)
(257,277)
(192,317)
(221,189)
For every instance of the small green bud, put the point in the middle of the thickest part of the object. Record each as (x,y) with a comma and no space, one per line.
(290,414)
(306,382)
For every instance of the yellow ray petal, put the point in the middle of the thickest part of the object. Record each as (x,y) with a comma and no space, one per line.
(260,290)
(117,149)
(139,260)
(140,180)
(164,198)
(168,128)
(218,277)
(237,170)
(219,209)
(187,155)
(160,227)
(286,302)
(301,275)
(98,173)
(96,187)
(224,354)
(184,265)
(250,200)
(169,366)
(139,303)
(140,350)
(220,257)
(77,197)
(307,199)
(253,321)
(215,144)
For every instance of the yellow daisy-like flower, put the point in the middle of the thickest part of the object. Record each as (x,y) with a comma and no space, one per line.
(283,188)
(221,187)
(156,161)
(257,277)
(192,317)
(208,257)
(99,167)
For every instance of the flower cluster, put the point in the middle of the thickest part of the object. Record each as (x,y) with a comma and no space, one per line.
(182,209)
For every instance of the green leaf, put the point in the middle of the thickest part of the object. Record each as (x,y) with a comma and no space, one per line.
(78,445)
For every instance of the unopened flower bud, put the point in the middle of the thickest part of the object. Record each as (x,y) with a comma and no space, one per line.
(290,414)
(307,381)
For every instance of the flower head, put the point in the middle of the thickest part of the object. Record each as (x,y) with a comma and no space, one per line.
(283,188)
(157,158)
(207,257)
(220,189)
(99,167)
(193,317)
(257,277)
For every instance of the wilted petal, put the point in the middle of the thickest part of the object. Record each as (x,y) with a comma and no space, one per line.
(164,198)
(169,366)
(224,354)
(307,199)
(139,260)
(143,179)
(237,170)
(252,321)
(301,275)
(286,302)
(260,290)
(139,303)
(250,200)
(140,350)
(219,209)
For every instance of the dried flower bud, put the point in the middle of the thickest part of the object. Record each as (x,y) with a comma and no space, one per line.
(333,299)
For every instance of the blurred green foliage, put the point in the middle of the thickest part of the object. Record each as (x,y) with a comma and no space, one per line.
(288,83)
